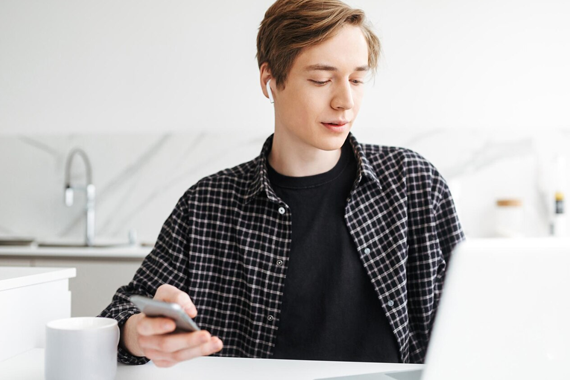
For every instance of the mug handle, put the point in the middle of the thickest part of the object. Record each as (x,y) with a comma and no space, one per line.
(118,335)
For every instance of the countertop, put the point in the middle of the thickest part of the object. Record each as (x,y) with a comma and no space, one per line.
(119,252)
(140,252)
(17,277)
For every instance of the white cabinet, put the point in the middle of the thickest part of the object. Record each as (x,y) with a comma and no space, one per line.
(96,282)
(100,272)
(29,298)
(15,262)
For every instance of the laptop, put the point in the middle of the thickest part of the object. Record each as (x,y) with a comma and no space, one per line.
(504,314)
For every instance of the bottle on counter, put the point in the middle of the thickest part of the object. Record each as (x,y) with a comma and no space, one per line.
(558,225)
(509,218)
(558,217)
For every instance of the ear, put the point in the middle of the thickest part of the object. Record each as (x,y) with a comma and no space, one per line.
(264,76)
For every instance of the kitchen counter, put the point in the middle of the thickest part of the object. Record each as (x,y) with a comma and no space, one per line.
(140,252)
(124,252)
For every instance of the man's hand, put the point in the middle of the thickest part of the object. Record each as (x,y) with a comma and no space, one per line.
(144,336)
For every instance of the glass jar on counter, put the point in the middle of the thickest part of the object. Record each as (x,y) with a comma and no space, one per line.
(509,218)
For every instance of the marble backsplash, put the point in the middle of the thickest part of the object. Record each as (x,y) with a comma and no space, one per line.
(139,177)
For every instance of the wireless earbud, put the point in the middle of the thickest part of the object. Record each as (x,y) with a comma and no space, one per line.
(269,92)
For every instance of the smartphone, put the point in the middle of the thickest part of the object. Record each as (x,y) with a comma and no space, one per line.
(154,308)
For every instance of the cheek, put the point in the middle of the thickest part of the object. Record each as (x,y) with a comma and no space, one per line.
(306,108)
(303,107)
(358,95)
(317,105)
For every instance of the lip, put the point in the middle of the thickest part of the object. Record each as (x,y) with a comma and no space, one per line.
(336,126)
(339,122)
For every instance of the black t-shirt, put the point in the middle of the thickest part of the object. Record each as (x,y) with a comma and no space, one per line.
(330,309)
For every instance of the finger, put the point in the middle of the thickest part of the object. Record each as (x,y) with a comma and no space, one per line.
(155,326)
(169,293)
(206,349)
(163,363)
(191,310)
(174,342)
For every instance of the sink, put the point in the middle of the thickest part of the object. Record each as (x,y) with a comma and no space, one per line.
(16,241)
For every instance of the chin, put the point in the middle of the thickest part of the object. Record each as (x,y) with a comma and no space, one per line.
(330,142)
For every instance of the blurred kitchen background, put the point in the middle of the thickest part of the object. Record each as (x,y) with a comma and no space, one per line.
(161,94)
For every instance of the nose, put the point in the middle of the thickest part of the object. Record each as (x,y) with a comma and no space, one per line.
(342,98)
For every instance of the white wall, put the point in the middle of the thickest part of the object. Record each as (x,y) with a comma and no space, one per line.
(473,63)
(154,66)
(139,177)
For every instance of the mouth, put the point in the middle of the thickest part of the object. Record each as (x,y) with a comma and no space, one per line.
(337,123)
(336,126)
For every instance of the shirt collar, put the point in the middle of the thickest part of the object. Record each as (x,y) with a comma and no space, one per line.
(260,180)
(365,169)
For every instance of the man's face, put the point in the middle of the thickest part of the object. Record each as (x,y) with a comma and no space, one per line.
(324,86)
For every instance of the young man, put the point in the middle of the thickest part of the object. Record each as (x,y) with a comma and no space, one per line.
(321,248)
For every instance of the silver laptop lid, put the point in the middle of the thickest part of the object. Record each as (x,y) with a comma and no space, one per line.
(504,312)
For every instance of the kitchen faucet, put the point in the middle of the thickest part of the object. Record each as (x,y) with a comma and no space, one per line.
(89,190)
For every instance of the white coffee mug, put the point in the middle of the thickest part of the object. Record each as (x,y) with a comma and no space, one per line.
(81,348)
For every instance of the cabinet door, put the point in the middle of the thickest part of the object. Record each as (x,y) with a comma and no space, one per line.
(15,262)
(96,281)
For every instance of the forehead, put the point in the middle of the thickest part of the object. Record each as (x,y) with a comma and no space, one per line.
(346,51)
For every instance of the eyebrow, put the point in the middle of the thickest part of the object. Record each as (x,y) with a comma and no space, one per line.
(323,67)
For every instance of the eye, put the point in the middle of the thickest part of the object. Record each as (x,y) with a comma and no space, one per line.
(357,82)
(319,82)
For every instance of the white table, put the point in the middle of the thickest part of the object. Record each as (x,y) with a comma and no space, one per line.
(30,366)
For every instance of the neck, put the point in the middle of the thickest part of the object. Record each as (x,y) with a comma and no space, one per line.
(297,159)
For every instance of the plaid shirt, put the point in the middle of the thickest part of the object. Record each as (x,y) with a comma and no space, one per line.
(227,242)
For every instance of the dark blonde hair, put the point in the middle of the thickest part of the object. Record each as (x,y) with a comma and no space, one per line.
(291,25)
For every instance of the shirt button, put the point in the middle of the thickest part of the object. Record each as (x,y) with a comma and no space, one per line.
(390,303)
(270,318)
(367,250)
(280,263)
(281,210)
